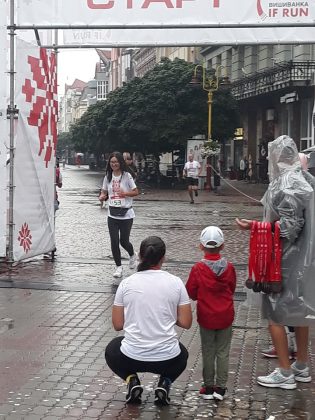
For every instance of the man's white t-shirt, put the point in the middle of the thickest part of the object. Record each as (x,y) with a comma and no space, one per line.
(150,299)
(125,183)
(192,169)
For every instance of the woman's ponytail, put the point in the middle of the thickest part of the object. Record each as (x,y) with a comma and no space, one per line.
(152,250)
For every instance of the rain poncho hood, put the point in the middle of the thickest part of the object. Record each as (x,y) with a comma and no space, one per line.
(290,199)
(283,157)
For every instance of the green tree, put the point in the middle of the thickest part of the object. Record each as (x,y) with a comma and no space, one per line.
(154,114)
(64,143)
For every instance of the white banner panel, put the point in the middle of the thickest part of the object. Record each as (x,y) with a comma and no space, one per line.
(3,128)
(186,36)
(46,36)
(164,12)
(36,139)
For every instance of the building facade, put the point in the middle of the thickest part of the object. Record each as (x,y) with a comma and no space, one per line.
(103,74)
(127,63)
(80,95)
(190,54)
(274,85)
(69,104)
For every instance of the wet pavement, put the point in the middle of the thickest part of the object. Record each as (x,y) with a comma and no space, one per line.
(55,317)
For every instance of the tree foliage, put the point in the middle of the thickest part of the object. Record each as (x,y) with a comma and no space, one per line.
(154,114)
(64,142)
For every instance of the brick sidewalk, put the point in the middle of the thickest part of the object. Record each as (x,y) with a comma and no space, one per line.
(58,317)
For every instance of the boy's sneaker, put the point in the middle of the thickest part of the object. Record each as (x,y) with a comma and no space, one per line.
(277,380)
(208,392)
(134,390)
(162,392)
(219,393)
(202,390)
(301,375)
(133,261)
(272,354)
(118,272)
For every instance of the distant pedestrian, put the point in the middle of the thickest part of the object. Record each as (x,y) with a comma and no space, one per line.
(147,307)
(119,188)
(130,166)
(78,160)
(58,183)
(250,168)
(192,172)
(242,169)
(246,168)
(212,283)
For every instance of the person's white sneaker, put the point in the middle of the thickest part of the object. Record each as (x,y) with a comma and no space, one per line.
(272,353)
(118,272)
(133,261)
(277,380)
(301,375)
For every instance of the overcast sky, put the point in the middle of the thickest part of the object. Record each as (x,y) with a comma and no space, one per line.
(75,64)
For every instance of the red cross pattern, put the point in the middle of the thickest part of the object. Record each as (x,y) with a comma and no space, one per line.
(25,237)
(41,92)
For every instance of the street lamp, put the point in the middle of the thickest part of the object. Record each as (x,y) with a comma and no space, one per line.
(210,83)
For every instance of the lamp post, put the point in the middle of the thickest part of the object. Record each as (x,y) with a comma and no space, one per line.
(210,83)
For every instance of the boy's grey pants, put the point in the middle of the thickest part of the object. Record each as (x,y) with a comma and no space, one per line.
(215,346)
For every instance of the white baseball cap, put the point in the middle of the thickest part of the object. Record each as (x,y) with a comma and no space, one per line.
(212,237)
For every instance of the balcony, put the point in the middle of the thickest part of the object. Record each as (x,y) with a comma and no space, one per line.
(286,74)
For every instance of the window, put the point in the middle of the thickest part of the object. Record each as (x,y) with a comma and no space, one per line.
(287,120)
(102,90)
(306,124)
(102,66)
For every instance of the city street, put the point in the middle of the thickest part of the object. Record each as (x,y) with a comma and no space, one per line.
(55,316)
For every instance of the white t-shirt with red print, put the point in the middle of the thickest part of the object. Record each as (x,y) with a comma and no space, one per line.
(192,169)
(118,184)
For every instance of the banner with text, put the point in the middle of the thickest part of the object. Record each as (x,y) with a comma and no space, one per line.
(3,128)
(36,140)
(186,36)
(161,13)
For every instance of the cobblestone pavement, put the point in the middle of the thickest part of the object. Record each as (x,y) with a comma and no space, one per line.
(55,317)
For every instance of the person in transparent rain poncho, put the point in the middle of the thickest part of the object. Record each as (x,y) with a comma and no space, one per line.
(290,201)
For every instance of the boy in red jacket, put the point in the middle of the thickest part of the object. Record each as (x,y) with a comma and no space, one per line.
(212,283)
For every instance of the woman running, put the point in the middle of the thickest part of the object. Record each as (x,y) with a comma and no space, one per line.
(147,307)
(119,188)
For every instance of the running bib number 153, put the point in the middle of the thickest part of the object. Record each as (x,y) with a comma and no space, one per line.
(117,202)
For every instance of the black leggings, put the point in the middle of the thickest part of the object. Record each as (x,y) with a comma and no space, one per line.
(119,231)
(123,366)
